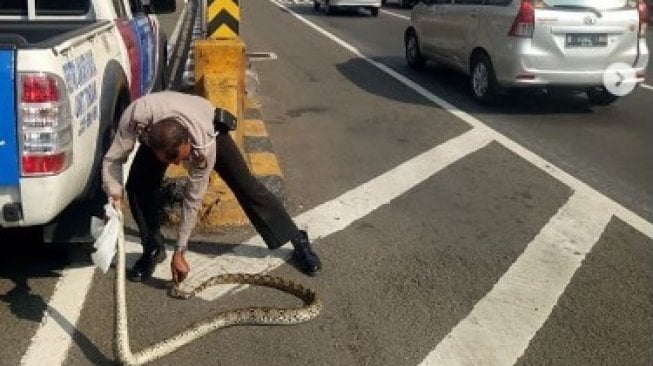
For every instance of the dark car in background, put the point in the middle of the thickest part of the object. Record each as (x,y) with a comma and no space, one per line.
(400,3)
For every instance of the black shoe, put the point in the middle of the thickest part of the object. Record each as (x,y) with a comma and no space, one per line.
(145,265)
(305,256)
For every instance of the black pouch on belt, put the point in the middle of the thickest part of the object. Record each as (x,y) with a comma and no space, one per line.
(224,121)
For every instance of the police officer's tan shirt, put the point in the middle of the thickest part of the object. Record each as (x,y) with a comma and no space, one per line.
(196,114)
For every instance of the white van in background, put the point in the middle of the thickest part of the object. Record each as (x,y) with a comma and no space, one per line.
(530,43)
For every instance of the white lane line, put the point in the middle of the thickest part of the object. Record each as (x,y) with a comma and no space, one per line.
(395,14)
(623,213)
(50,344)
(646,86)
(501,325)
(338,213)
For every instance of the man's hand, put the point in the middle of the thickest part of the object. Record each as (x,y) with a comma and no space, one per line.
(179,267)
(116,201)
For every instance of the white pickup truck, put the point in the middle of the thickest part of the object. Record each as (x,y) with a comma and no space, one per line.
(67,71)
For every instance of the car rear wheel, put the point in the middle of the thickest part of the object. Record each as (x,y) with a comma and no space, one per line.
(600,96)
(374,12)
(483,80)
(414,57)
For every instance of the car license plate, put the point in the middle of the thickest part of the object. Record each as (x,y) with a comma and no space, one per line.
(586,40)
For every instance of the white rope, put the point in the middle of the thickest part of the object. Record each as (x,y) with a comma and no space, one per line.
(265,316)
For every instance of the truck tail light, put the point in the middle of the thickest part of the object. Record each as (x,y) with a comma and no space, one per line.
(524,23)
(45,124)
(39,89)
(37,164)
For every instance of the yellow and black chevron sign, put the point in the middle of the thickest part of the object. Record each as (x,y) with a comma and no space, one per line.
(223,17)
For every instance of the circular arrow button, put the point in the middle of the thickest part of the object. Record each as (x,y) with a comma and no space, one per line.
(620,79)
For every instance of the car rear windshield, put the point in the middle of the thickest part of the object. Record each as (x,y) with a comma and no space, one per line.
(45,7)
(596,4)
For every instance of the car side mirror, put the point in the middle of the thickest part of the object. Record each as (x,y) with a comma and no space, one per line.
(160,6)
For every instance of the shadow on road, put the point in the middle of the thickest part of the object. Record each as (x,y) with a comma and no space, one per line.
(453,87)
(365,76)
(26,257)
(308,11)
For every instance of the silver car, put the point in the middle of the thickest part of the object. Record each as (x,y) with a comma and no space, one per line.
(330,6)
(502,44)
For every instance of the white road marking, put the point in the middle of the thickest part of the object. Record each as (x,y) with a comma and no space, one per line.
(395,14)
(625,214)
(646,86)
(50,344)
(501,325)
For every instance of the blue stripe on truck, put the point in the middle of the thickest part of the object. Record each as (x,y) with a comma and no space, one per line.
(8,139)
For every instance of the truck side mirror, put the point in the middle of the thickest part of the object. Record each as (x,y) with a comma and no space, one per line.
(160,6)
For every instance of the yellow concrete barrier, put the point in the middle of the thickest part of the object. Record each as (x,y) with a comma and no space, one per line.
(220,76)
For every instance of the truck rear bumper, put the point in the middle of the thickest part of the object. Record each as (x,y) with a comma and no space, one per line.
(40,199)
(9,198)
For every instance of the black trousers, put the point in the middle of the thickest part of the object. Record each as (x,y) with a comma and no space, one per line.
(263,209)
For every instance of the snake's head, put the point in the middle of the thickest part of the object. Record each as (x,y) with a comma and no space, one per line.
(176,292)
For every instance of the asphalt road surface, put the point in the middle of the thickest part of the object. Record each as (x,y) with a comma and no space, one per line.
(451,234)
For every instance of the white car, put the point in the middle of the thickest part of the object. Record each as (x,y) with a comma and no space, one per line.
(330,6)
(526,43)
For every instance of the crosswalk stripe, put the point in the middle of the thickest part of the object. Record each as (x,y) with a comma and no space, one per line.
(501,325)
(52,340)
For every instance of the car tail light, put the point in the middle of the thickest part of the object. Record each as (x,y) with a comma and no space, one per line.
(44,116)
(642,9)
(525,21)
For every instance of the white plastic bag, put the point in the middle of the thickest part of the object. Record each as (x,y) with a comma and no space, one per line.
(106,237)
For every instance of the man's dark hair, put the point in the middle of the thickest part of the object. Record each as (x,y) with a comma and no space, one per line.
(166,136)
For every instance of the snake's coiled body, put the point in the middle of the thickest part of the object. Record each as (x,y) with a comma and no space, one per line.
(248,316)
